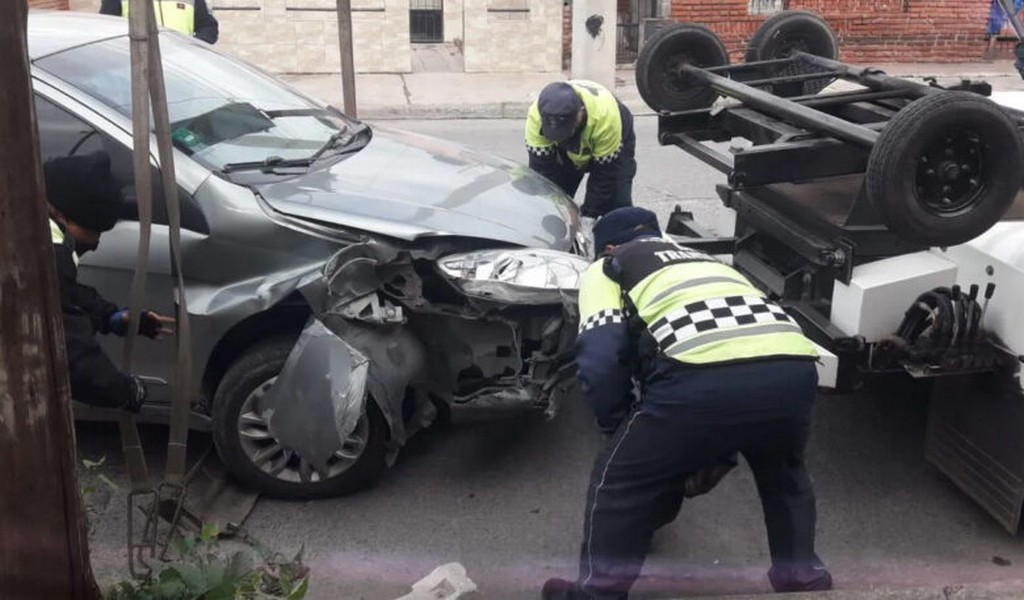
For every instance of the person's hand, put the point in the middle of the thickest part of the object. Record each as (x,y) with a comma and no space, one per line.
(155,326)
(137,395)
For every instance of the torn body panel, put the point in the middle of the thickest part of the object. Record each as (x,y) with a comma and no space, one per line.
(410,330)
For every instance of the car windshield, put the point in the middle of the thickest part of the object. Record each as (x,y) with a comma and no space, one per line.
(222,112)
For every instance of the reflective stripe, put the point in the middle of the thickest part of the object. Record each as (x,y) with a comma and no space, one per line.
(56,235)
(728,334)
(599,297)
(693,283)
(179,15)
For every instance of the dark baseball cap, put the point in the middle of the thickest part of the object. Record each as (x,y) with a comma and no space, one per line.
(558,105)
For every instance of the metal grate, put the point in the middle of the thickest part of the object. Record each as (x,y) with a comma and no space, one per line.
(426,21)
(627,32)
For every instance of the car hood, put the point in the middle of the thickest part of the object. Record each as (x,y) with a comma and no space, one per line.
(408,186)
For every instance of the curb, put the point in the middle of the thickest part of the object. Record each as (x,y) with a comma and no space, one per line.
(1005,590)
(492,110)
(518,109)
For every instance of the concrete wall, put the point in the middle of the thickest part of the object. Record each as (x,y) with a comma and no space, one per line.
(301,36)
(513,35)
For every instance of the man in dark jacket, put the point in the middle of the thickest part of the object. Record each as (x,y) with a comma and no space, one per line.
(85,202)
(190,17)
(721,369)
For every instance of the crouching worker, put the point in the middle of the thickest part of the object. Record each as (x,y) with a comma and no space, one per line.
(84,203)
(720,369)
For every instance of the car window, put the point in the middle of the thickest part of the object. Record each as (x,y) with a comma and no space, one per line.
(64,134)
(221,111)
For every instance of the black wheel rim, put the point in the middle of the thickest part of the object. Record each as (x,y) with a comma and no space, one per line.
(949,178)
(790,44)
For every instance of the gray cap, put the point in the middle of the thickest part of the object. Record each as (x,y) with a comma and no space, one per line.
(558,105)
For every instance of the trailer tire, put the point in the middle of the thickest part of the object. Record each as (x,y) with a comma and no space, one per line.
(945,168)
(789,31)
(660,85)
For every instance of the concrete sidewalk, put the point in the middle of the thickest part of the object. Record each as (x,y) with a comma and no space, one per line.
(508,95)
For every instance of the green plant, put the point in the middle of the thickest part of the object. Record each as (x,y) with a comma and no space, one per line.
(203,573)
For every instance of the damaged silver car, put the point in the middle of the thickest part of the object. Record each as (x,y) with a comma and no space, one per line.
(345,283)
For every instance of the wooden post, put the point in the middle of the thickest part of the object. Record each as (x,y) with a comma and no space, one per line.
(43,542)
(348,70)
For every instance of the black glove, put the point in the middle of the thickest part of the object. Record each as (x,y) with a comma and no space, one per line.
(149,326)
(137,395)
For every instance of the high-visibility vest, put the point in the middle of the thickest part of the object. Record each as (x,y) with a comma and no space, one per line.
(691,307)
(601,138)
(179,15)
(59,239)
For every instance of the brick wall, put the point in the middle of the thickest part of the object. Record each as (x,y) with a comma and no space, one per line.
(51,4)
(870,31)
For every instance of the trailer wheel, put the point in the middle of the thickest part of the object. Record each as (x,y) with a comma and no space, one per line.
(791,31)
(945,168)
(657,69)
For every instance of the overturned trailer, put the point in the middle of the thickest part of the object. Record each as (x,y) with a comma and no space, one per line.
(880,212)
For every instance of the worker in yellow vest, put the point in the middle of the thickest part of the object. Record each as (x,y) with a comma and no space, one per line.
(578,128)
(719,369)
(190,17)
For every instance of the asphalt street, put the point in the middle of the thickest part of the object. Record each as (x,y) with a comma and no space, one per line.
(503,494)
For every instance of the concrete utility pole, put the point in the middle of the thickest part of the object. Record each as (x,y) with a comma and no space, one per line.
(348,69)
(44,549)
(593,41)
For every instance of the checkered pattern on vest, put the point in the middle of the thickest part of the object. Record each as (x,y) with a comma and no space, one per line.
(607,316)
(716,313)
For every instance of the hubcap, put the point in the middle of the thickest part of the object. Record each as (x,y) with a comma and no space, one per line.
(266,452)
(948,179)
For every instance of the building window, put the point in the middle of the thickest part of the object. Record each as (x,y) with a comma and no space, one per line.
(426,21)
(765,7)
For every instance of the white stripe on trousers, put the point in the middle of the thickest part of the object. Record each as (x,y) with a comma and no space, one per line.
(597,490)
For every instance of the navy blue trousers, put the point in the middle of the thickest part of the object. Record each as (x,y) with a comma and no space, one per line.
(688,418)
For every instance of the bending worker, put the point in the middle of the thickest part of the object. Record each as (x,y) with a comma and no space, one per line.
(720,369)
(190,17)
(579,127)
(85,202)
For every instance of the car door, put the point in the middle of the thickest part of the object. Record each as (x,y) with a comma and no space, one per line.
(111,267)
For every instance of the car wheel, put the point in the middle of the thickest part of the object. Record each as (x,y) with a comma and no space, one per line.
(791,31)
(256,458)
(657,68)
(945,168)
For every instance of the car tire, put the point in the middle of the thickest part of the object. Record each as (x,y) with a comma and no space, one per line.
(256,369)
(945,168)
(684,43)
(786,32)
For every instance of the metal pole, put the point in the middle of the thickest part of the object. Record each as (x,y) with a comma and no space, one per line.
(871,78)
(772,105)
(348,69)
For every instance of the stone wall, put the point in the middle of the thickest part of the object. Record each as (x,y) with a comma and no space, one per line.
(513,35)
(301,36)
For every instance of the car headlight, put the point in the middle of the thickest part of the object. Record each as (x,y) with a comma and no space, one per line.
(516,276)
